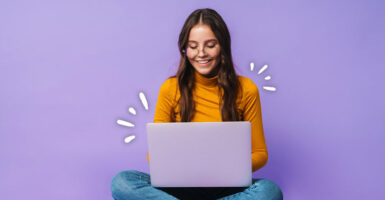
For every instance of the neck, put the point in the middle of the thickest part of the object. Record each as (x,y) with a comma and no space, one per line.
(207,80)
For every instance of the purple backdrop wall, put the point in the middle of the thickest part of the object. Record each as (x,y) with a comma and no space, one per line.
(70,69)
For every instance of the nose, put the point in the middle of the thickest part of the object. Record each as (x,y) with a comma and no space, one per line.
(201,52)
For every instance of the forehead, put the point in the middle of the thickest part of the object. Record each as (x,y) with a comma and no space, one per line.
(201,33)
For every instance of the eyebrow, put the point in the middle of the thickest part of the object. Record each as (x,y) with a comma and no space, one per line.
(210,40)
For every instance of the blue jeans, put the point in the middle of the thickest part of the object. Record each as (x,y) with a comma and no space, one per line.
(133,184)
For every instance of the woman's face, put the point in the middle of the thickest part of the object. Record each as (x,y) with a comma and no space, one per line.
(203,50)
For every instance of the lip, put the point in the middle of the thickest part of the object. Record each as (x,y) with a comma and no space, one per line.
(209,60)
(204,60)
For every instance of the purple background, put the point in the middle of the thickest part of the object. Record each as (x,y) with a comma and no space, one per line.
(70,69)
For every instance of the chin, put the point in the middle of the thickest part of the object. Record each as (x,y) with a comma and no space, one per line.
(206,71)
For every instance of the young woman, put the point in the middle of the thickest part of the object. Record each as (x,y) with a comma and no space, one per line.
(205,88)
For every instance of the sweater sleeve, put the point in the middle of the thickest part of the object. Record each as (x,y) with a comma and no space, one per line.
(165,102)
(164,105)
(252,113)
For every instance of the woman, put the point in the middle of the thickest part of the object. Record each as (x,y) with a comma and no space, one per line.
(205,88)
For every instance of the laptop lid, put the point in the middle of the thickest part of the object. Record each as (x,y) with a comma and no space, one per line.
(200,154)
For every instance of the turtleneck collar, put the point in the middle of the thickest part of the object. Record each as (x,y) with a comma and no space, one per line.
(213,81)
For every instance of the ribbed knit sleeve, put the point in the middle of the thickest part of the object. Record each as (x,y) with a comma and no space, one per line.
(252,113)
(166,101)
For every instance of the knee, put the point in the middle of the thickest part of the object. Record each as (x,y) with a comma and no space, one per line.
(271,189)
(123,183)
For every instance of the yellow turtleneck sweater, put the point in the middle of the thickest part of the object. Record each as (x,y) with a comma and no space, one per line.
(207,109)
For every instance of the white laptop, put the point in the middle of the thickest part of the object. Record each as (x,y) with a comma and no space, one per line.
(200,154)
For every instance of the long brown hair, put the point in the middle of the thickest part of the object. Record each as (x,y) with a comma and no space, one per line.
(228,82)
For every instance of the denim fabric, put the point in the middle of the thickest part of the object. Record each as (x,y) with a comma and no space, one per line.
(133,184)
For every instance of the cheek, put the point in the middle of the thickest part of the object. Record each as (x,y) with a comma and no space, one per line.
(191,60)
(189,54)
(215,53)
(216,57)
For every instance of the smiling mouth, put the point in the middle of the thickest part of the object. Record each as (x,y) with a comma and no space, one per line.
(203,61)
